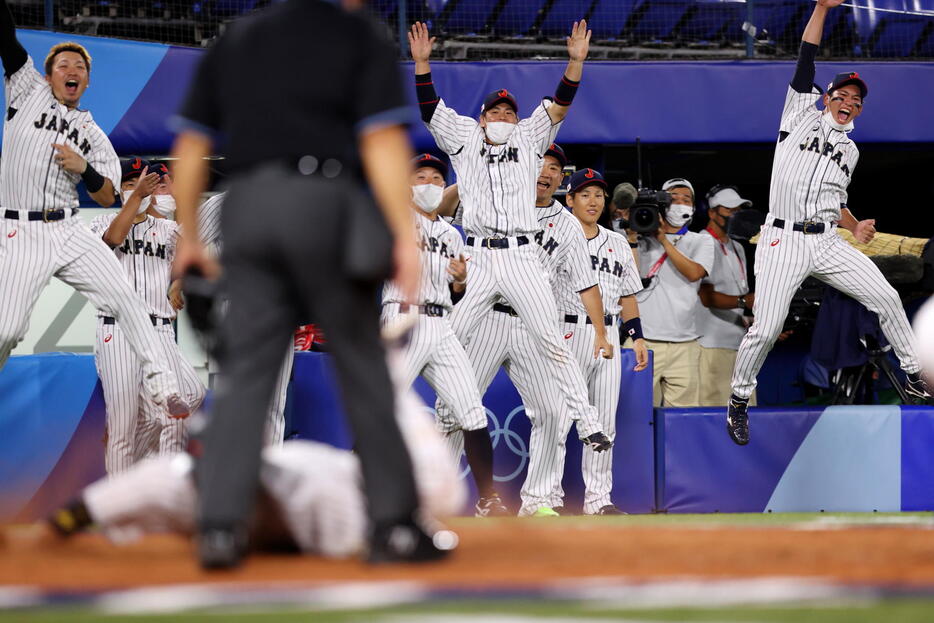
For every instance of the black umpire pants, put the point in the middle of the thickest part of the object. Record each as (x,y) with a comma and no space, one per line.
(285,261)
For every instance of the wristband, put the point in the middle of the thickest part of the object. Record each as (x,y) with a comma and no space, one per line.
(742,301)
(566,90)
(633,329)
(93,180)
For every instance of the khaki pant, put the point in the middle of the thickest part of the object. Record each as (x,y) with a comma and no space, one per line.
(716,370)
(675,380)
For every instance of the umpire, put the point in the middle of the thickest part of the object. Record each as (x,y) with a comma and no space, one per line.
(306,102)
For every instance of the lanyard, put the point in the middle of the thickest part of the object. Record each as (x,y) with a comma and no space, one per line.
(657,266)
(723,248)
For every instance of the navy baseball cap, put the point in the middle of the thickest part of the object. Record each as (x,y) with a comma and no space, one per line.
(584,178)
(497,97)
(554,150)
(132,167)
(427,160)
(848,77)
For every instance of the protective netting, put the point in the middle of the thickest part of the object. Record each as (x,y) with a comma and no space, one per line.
(504,29)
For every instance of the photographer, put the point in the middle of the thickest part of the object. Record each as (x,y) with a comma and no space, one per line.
(725,296)
(672,262)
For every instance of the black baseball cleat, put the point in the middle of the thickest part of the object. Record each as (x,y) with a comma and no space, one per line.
(610,509)
(491,506)
(598,442)
(71,519)
(410,541)
(221,547)
(917,390)
(737,420)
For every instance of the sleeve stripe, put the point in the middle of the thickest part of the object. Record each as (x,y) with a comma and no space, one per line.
(424,84)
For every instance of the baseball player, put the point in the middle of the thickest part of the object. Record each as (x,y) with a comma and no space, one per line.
(209,226)
(814,161)
(613,267)
(311,499)
(502,340)
(49,146)
(498,160)
(724,295)
(143,240)
(434,352)
(672,264)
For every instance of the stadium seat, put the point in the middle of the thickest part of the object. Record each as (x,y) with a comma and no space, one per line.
(609,18)
(888,34)
(714,20)
(659,18)
(562,15)
(467,17)
(517,17)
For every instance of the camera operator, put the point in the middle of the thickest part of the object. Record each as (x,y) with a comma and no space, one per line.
(672,262)
(725,297)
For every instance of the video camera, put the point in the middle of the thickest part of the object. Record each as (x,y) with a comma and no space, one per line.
(645,216)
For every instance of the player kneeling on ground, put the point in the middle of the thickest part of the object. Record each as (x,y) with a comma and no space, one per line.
(615,271)
(433,350)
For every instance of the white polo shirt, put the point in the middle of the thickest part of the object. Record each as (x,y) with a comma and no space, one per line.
(724,328)
(668,305)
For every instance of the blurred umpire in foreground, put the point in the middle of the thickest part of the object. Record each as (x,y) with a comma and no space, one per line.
(305,100)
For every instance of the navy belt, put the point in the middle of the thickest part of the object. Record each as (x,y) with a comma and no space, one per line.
(807,227)
(38,215)
(156,320)
(497,243)
(572,318)
(435,311)
(505,309)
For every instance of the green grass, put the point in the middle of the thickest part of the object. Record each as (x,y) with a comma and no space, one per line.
(900,611)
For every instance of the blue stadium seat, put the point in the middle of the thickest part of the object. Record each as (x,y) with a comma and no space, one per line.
(897,35)
(658,18)
(562,15)
(715,20)
(888,34)
(517,17)
(230,8)
(608,19)
(468,17)
(783,19)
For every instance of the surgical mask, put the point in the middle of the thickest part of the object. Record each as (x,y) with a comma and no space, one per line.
(828,117)
(427,197)
(143,204)
(499,131)
(164,205)
(678,215)
(621,225)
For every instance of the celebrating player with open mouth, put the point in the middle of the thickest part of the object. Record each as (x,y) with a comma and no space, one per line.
(814,161)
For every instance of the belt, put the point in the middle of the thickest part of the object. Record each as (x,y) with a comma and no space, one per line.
(39,215)
(497,243)
(572,318)
(505,309)
(808,227)
(156,320)
(435,311)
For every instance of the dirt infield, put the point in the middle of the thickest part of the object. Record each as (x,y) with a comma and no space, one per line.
(508,552)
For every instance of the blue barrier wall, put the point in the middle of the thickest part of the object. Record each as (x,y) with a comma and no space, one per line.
(857,458)
(136,87)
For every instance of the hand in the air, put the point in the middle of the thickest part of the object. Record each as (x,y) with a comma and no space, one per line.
(419,42)
(579,41)
(146,183)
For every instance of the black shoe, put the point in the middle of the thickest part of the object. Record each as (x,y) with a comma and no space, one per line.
(71,519)
(737,420)
(410,541)
(491,506)
(561,510)
(221,548)
(610,509)
(598,442)
(917,390)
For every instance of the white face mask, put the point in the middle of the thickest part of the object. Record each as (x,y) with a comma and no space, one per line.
(427,197)
(678,215)
(164,205)
(499,131)
(143,204)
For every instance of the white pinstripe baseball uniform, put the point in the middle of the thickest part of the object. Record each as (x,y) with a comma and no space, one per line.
(813,164)
(433,351)
(32,251)
(497,186)
(209,228)
(502,340)
(612,264)
(146,256)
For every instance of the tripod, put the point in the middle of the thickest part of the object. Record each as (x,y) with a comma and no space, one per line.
(856,381)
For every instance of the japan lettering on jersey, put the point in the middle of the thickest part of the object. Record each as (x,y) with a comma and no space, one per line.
(30,179)
(615,270)
(813,163)
(146,255)
(563,248)
(438,244)
(496,183)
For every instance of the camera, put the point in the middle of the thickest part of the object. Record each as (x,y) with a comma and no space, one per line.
(645,216)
